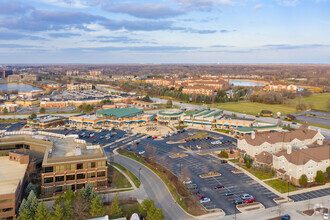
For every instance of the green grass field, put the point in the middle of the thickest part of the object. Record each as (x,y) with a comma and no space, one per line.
(281,186)
(252,108)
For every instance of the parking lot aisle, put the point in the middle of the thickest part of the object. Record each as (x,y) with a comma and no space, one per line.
(310,195)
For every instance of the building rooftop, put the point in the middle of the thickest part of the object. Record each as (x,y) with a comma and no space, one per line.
(169,112)
(120,112)
(48,118)
(254,128)
(276,137)
(91,117)
(11,173)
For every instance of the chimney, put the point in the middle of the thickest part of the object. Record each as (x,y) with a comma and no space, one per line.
(253,135)
(289,149)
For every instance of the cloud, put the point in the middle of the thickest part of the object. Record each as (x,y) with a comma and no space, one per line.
(150,11)
(14,46)
(15,36)
(63,35)
(219,46)
(257,7)
(138,25)
(292,47)
(137,48)
(200,31)
(50,20)
(290,3)
(12,7)
(202,5)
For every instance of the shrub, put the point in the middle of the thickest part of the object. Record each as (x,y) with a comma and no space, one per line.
(319,177)
(248,165)
(224,154)
(303,180)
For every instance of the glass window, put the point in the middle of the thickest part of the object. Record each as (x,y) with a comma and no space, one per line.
(80,185)
(80,176)
(70,167)
(59,189)
(48,179)
(101,164)
(49,190)
(59,178)
(70,177)
(59,168)
(80,166)
(48,169)
(91,165)
(91,175)
(101,183)
(100,173)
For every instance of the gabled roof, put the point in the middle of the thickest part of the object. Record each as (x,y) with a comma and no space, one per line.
(301,157)
(277,137)
(120,112)
(264,157)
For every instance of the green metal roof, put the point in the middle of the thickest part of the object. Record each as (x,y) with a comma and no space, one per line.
(169,113)
(205,113)
(120,112)
(215,113)
(194,112)
(253,128)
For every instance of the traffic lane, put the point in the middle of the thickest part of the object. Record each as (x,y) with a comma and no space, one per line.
(314,120)
(155,188)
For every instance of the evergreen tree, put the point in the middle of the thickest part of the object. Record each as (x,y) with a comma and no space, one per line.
(303,180)
(97,208)
(319,177)
(145,205)
(58,212)
(5,110)
(115,209)
(22,206)
(30,187)
(42,212)
(83,193)
(68,210)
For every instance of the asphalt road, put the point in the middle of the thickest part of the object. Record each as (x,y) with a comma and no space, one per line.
(155,188)
(321,118)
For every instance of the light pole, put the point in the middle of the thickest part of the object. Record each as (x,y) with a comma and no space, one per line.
(139,173)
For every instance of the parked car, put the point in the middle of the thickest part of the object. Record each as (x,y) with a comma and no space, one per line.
(238,201)
(286,217)
(198,147)
(141,152)
(245,196)
(154,137)
(224,161)
(325,215)
(229,193)
(249,200)
(186,182)
(205,200)
(150,136)
(193,139)
(200,196)
(192,186)
(219,186)
(186,140)
(66,133)
(91,135)
(191,134)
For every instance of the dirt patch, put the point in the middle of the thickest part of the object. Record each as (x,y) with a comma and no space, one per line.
(237,171)
(247,207)
(175,142)
(282,200)
(202,154)
(211,174)
(309,212)
(178,155)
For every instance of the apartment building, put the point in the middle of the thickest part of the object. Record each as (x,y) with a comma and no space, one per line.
(281,87)
(72,72)
(10,108)
(79,86)
(275,142)
(292,163)
(12,182)
(95,72)
(199,90)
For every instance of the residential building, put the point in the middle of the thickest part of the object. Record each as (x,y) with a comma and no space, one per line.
(12,182)
(45,121)
(292,163)
(142,104)
(275,142)
(95,72)
(79,86)
(72,72)
(10,108)
(280,87)
(5,73)
(199,90)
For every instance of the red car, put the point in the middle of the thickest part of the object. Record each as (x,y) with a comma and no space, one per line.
(200,196)
(219,186)
(249,200)
(186,140)
(154,137)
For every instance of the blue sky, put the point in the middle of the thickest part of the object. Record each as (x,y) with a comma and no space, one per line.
(165,31)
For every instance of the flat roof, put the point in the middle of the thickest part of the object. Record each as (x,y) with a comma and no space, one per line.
(120,112)
(11,173)
(91,117)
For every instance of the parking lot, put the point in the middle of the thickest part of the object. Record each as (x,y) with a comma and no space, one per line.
(12,127)
(237,183)
(310,195)
(99,137)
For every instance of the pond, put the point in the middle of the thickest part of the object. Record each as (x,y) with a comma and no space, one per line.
(21,87)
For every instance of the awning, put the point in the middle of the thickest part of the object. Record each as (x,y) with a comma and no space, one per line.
(99,122)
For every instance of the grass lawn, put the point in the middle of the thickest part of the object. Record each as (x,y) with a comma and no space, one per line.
(136,181)
(199,135)
(222,130)
(11,120)
(119,180)
(259,174)
(253,108)
(234,160)
(130,209)
(281,186)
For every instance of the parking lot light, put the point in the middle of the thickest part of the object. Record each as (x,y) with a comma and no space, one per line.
(139,173)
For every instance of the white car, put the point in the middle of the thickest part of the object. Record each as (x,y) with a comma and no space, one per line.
(325,215)
(141,152)
(190,134)
(186,182)
(198,147)
(245,196)
(205,200)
